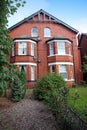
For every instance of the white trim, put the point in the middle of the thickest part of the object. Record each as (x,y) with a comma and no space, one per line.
(60,63)
(69,80)
(60,55)
(25,63)
(47,36)
(58,41)
(32,72)
(25,40)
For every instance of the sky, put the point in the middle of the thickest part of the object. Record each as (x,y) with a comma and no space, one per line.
(72,12)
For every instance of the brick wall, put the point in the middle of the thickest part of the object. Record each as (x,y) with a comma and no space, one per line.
(42,50)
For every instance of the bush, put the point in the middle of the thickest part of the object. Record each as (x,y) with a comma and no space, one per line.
(1,91)
(47,86)
(18,88)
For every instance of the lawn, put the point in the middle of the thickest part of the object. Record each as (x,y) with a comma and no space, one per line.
(78,99)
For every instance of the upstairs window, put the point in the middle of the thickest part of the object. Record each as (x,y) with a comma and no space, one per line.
(32,49)
(34,32)
(51,49)
(61,48)
(47,32)
(63,71)
(22,48)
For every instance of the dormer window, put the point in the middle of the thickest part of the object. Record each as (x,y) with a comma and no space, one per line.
(47,32)
(22,48)
(34,32)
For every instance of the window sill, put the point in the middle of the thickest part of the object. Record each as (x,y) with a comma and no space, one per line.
(69,80)
(60,55)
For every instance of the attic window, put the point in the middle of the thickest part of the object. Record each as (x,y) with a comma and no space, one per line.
(47,32)
(34,32)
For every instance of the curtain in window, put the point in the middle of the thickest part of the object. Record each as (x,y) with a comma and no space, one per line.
(22,68)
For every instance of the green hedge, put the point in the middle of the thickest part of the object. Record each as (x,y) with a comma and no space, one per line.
(47,85)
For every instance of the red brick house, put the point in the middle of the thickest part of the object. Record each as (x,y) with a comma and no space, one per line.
(43,44)
(83,50)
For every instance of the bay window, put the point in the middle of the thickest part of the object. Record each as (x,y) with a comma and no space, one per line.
(63,71)
(32,72)
(13,51)
(61,48)
(32,49)
(51,49)
(52,69)
(22,48)
(22,68)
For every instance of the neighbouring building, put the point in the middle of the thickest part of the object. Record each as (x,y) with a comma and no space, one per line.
(42,44)
(83,49)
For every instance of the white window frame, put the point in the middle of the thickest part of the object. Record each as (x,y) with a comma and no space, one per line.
(13,51)
(51,46)
(32,73)
(63,71)
(22,49)
(47,32)
(61,48)
(34,32)
(24,68)
(52,69)
(32,49)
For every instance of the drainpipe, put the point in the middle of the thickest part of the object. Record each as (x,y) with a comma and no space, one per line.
(75,74)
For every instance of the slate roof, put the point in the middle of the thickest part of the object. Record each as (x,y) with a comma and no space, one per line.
(25,38)
(51,18)
(58,38)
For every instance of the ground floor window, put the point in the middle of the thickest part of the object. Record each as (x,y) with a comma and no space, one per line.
(52,69)
(63,71)
(32,72)
(22,68)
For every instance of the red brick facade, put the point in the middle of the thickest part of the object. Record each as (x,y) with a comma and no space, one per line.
(68,63)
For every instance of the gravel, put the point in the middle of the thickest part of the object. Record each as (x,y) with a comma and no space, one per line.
(27,115)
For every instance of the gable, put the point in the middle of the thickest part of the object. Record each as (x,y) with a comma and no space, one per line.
(43,16)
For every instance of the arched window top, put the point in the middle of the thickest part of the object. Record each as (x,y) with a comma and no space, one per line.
(34,32)
(47,32)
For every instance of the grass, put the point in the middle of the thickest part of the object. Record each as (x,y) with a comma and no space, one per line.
(78,100)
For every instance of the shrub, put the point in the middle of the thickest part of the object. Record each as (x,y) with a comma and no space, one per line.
(47,86)
(18,88)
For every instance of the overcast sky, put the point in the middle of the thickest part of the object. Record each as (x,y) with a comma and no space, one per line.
(72,12)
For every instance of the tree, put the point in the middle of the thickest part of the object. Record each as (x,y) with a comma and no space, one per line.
(7,8)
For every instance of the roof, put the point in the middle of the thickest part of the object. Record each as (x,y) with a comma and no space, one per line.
(51,18)
(58,38)
(24,38)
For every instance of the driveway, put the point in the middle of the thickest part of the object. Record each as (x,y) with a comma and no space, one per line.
(27,115)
